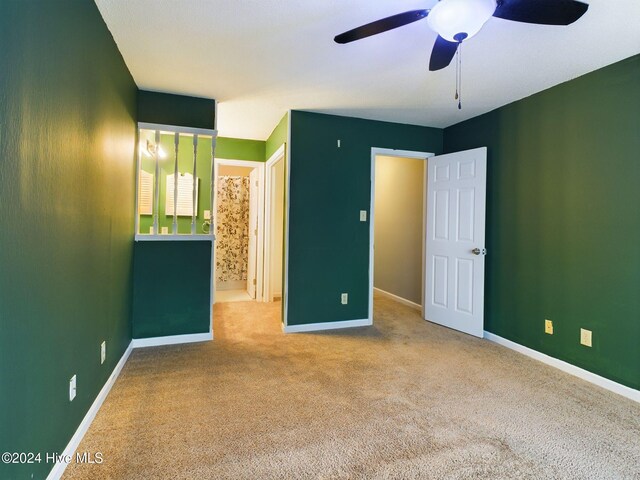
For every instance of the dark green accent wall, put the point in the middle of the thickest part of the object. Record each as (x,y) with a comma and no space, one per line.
(278,137)
(180,110)
(563,229)
(67,169)
(172,288)
(328,245)
(240,149)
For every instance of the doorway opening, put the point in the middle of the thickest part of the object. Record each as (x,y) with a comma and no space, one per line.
(398,195)
(249,222)
(453,235)
(237,222)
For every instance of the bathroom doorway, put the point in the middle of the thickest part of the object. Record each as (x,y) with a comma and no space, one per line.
(237,224)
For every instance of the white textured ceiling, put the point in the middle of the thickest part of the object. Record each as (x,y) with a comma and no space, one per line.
(259,58)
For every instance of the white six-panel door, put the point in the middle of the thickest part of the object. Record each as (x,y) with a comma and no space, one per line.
(455,236)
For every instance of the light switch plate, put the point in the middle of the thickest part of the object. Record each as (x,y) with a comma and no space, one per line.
(344,298)
(363,215)
(548,327)
(72,388)
(585,337)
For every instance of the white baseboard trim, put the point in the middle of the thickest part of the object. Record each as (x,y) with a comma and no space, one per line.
(60,466)
(171,340)
(398,299)
(316,327)
(610,385)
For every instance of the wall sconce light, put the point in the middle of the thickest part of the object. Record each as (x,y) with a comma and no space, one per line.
(150,150)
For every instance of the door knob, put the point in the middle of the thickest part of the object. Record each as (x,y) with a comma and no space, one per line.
(477,251)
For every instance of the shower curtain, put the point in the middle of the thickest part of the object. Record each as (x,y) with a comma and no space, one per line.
(232,238)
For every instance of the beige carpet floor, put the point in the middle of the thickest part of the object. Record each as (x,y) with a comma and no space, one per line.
(401,399)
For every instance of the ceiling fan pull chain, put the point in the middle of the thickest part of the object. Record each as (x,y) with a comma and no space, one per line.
(456,96)
(459,88)
(457,71)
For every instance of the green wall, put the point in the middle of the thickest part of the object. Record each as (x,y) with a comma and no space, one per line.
(328,245)
(563,229)
(172,283)
(278,137)
(180,110)
(240,149)
(67,138)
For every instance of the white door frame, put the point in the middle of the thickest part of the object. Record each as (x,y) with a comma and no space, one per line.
(278,156)
(287,216)
(255,208)
(375,151)
(217,162)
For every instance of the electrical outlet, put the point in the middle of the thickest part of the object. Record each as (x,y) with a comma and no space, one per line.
(207,214)
(344,298)
(103,352)
(164,230)
(548,327)
(363,215)
(585,337)
(72,388)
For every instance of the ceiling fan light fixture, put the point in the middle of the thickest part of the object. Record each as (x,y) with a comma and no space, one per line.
(457,20)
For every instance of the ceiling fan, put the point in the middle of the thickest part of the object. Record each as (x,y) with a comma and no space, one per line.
(458,20)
